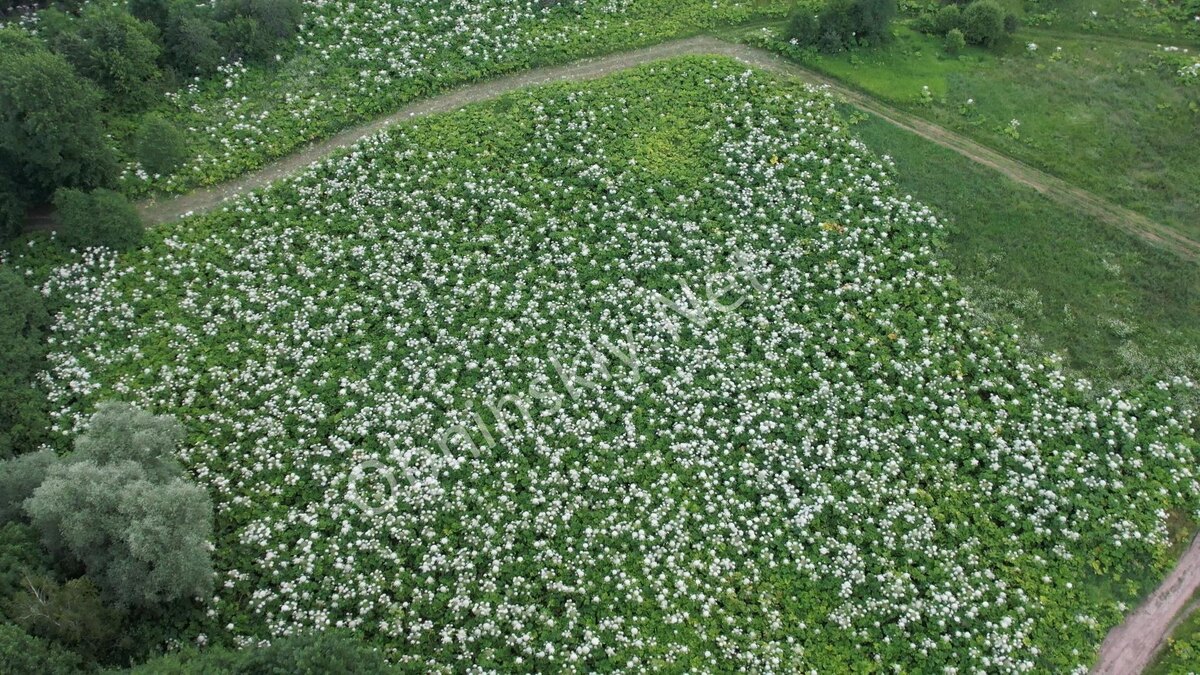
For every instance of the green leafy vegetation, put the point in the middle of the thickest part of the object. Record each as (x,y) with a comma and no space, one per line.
(467,392)
(1119,119)
(121,507)
(332,651)
(111,48)
(50,130)
(160,146)
(361,310)
(21,652)
(1119,310)
(23,325)
(97,218)
(103,547)
(843,24)
(1181,656)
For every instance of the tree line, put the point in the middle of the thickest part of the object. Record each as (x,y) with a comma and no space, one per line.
(847,24)
(85,66)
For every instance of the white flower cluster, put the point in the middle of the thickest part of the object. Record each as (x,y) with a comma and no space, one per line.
(360,59)
(844,469)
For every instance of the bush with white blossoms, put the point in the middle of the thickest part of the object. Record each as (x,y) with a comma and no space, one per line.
(842,472)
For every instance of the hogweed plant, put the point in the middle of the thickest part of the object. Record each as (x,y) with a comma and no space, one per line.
(844,471)
(572,378)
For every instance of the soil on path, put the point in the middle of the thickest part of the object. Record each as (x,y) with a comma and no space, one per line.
(204,199)
(1132,646)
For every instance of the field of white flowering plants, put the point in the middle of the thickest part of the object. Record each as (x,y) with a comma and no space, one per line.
(356,60)
(664,374)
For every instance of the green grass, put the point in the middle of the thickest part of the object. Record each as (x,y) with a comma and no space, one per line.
(898,71)
(1182,652)
(1114,307)
(1114,118)
(1163,19)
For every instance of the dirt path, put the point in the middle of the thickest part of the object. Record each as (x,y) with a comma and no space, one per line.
(1131,647)
(167,209)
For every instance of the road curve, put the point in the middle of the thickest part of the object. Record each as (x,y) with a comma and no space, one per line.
(204,199)
(1132,646)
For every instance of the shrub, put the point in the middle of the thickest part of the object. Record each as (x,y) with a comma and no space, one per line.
(160,146)
(873,19)
(97,218)
(844,23)
(804,29)
(19,478)
(983,23)
(120,507)
(50,132)
(155,12)
(191,43)
(23,322)
(70,614)
(144,543)
(255,29)
(1011,23)
(21,652)
(955,41)
(947,19)
(116,51)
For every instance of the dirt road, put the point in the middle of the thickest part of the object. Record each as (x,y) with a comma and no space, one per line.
(1130,647)
(164,210)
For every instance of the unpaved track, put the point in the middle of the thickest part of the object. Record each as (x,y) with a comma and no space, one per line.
(1131,647)
(204,199)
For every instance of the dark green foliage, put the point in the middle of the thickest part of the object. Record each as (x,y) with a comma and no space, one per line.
(873,20)
(256,29)
(191,41)
(12,209)
(804,28)
(70,614)
(97,218)
(21,556)
(121,507)
(983,23)
(947,19)
(160,146)
(23,322)
(1011,23)
(154,12)
(50,132)
(844,24)
(110,47)
(22,653)
(19,477)
(312,654)
(955,41)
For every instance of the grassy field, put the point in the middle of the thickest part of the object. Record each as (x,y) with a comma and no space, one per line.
(1171,20)
(1181,656)
(1112,117)
(1113,306)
